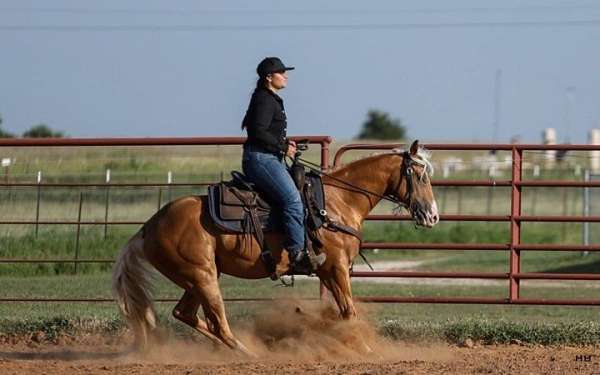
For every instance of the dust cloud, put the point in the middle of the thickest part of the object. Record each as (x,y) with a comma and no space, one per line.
(299,332)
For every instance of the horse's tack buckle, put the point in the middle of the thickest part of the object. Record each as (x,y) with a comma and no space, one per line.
(323,212)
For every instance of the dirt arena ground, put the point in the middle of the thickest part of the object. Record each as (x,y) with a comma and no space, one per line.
(312,341)
(182,358)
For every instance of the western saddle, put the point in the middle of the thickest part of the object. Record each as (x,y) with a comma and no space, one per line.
(236,206)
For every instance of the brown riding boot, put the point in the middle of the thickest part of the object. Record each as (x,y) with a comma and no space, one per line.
(306,262)
(300,263)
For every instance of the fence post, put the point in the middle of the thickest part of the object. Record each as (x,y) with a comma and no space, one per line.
(565,210)
(37,205)
(78,231)
(515,225)
(443,191)
(489,201)
(6,165)
(106,203)
(169,181)
(586,211)
(535,190)
(459,200)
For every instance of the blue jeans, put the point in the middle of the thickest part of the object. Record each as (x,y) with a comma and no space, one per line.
(269,174)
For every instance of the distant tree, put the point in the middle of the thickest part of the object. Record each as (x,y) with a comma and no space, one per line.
(4,133)
(42,131)
(380,126)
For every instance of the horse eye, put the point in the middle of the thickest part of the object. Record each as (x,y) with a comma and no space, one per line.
(409,171)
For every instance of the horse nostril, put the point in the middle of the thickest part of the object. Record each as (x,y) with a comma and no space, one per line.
(436,218)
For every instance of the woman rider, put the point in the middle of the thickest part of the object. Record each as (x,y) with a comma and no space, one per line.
(263,158)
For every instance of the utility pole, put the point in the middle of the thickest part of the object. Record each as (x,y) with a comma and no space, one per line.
(497,94)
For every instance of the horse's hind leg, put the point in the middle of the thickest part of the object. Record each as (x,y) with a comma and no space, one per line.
(187,312)
(214,312)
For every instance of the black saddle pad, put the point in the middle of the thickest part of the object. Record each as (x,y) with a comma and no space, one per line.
(270,219)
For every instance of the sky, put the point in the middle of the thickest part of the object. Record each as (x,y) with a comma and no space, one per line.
(449,70)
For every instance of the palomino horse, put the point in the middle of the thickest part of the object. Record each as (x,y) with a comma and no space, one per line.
(183,244)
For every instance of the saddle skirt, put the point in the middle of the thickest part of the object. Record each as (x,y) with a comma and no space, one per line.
(231,204)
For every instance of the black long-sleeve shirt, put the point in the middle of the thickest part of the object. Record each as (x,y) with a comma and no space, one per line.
(266,123)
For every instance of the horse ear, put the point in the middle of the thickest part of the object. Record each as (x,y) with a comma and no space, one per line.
(414,147)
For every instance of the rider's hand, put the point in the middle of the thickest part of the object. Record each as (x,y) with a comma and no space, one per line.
(291,150)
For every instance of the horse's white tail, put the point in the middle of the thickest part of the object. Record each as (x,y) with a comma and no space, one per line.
(132,290)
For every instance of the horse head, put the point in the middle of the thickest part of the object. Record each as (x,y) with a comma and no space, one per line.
(413,186)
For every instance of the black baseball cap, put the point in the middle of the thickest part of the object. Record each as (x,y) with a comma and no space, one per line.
(271,65)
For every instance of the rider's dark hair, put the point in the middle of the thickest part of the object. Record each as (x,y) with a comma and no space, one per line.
(260,83)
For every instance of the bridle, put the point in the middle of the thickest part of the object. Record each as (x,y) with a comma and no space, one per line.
(406,171)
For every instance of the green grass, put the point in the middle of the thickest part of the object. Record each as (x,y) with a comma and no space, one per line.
(450,322)
(61,242)
(455,331)
(497,261)
(500,331)
(470,232)
(481,261)
(98,286)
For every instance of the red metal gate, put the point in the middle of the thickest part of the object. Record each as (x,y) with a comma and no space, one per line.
(513,245)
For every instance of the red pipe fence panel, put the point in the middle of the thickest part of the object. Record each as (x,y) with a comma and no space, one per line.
(514,218)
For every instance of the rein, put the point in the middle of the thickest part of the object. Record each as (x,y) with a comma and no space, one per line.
(316,168)
(334,225)
(406,171)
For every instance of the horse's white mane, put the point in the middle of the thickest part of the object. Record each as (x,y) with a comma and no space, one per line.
(424,156)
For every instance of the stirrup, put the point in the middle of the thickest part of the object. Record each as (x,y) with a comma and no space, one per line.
(301,265)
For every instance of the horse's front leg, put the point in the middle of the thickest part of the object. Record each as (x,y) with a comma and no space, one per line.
(337,280)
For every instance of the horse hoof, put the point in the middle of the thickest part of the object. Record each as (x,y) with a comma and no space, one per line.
(245,351)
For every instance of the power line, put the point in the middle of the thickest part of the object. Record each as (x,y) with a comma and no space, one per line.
(163,11)
(302,27)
